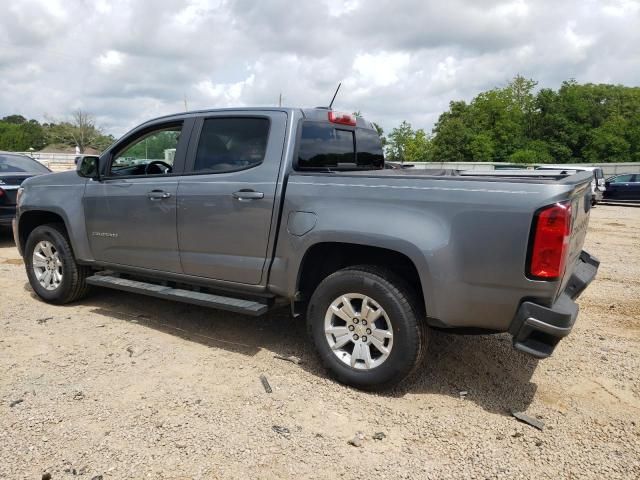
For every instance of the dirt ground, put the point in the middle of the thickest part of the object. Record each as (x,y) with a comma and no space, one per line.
(123,386)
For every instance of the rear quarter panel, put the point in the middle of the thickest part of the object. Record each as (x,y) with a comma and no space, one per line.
(467,238)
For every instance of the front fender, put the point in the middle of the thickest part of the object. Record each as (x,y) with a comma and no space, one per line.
(62,195)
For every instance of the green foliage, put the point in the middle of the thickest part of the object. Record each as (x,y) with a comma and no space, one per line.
(15,119)
(153,146)
(81,131)
(19,134)
(405,144)
(535,151)
(577,123)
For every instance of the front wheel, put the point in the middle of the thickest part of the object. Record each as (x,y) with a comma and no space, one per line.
(367,327)
(51,267)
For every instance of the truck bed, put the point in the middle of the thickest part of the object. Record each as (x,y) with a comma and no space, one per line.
(468,234)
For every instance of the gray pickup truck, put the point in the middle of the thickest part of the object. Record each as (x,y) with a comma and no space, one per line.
(251,209)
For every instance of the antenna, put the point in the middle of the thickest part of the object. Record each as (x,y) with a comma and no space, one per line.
(334,95)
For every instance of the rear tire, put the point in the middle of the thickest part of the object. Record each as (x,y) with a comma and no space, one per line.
(368,327)
(52,269)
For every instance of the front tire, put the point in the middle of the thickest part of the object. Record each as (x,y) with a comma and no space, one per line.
(367,327)
(51,267)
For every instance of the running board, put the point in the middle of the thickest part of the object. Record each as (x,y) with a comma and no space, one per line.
(247,307)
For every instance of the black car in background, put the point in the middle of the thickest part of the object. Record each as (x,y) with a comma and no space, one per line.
(14,169)
(625,186)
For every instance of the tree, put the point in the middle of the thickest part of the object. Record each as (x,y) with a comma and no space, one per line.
(15,119)
(607,143)
(81,131)
(418,147)
(397,141)
(19,134)
(576,123)
(408,145)
(481,147)
(452,134)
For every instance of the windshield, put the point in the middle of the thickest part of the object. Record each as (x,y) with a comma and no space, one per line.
(20,164)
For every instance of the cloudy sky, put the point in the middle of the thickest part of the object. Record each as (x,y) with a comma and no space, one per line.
(128,60)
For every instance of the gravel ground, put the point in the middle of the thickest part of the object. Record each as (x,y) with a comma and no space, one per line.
(123,386)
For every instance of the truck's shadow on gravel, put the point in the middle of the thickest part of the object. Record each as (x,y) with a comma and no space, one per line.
(495,376)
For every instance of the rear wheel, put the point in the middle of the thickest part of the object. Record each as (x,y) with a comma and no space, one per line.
(367,327)
(51,267)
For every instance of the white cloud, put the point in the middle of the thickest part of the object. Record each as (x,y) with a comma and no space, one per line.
(621,8)
(126,61)
(225,94)
(381,69)
(109,60)
(580,43)
(340,7)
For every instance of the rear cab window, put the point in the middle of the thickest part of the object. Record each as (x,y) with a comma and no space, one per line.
(324,146)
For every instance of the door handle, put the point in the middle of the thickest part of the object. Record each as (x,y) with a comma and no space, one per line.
(158,195)
(245,195)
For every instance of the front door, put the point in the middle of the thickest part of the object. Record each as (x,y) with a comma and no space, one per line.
(226,202)
(131,211)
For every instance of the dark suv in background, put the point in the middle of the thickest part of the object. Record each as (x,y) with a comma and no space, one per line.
(14,169)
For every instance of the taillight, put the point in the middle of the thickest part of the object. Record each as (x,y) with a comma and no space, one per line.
(1,192)
(552,231)
(342,118)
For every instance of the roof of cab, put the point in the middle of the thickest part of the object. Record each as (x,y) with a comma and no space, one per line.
(313,113)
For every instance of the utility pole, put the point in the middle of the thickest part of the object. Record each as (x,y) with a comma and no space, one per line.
(186,108)
(280,99)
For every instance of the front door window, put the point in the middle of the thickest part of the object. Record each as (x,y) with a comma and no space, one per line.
(151,154)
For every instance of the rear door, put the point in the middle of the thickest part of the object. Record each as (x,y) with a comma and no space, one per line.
(226,201)
(131,211)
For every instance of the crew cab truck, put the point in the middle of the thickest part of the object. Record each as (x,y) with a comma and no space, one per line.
(250,209)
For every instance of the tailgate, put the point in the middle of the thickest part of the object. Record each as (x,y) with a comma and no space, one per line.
(580,210)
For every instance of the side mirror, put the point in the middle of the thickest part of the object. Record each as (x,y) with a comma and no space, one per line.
(88,167)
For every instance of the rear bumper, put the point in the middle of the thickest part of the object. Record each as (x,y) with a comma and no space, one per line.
(537,329)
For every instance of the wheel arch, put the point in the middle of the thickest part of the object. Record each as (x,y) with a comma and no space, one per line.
(324,258)
(32,219)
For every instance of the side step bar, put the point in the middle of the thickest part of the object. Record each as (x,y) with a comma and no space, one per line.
(247,307)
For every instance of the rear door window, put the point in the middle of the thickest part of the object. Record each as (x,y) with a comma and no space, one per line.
(231,144)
